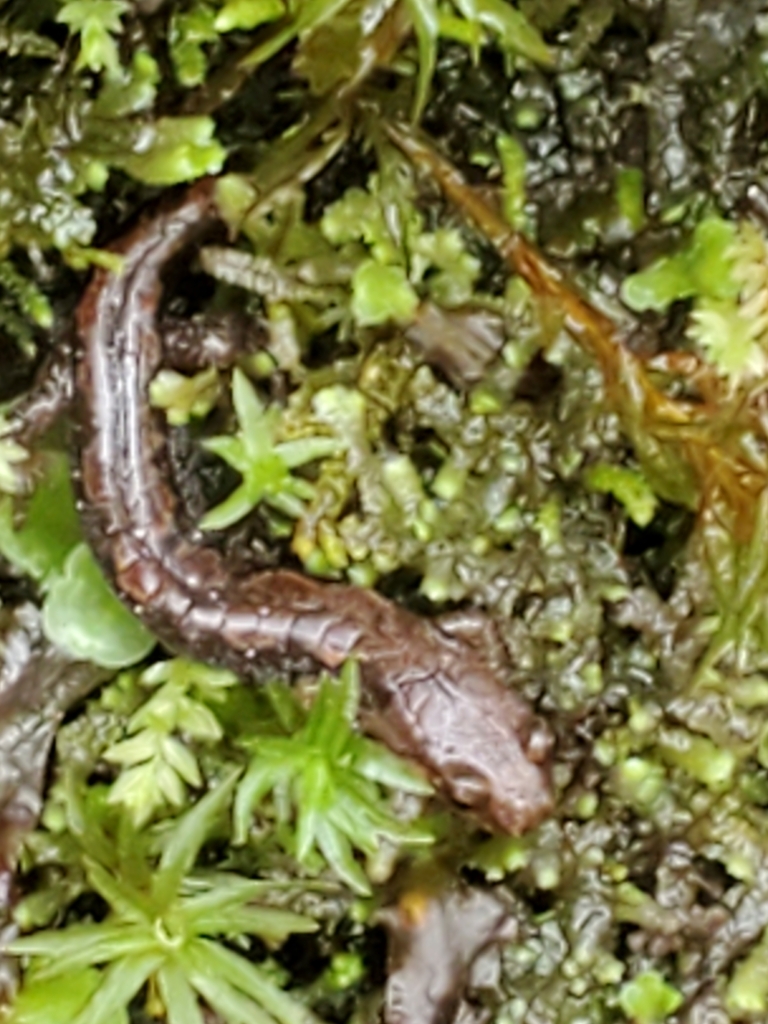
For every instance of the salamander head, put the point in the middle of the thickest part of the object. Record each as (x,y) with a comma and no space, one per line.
(505,781)
(435,699)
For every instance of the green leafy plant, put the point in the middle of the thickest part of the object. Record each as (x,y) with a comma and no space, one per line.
(381,228)
(163,931)
(747,992)
(248,14)
(45,165)
(173,149)
(157,762)
(702,267)
(326,778)
(97,22)
(725,338)
(189,31)
(628,486)
(649,999)
(80,612)
(733,333)
(82,615)
(513,160)
(185,397)
(440,259)
(264,461)
(381,292)
(361,215)
(472,22)
(31,301)
(724,269)
(19,42)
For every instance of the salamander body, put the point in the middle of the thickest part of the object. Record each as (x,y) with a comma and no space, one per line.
(430,696)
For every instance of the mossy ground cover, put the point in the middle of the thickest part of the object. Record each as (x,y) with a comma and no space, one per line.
(614,533)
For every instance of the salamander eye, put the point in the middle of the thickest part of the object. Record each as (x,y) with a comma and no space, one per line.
(469,788)
(538,745)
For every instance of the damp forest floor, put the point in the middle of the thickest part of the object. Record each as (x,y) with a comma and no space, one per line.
(538,393)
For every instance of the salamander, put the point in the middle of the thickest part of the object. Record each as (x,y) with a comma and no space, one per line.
(430,696)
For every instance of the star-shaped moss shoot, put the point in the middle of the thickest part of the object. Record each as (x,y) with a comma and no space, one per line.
(169,931)
(327,781)
(264,462)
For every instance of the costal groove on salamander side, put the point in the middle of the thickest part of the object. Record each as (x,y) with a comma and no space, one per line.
(431,696)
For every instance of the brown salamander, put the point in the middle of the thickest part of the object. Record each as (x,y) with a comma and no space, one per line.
(431,697)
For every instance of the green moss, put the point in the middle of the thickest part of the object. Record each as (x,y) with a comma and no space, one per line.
(627,486)
(328,777)
(381,293)
(640,636)
(159,928)
(702,268)
(747,992)
(513,168)
(649,999)
(82,615)
(630,196)
(640,782)
(97,22)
